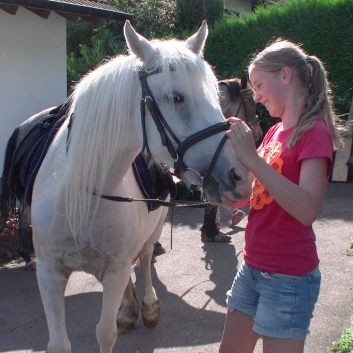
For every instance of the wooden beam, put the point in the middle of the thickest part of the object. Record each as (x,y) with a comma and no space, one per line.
(11,9)
(41,13)
(342,157)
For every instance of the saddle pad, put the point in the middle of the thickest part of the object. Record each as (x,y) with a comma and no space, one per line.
(38,157)
(26,148)
(153,183)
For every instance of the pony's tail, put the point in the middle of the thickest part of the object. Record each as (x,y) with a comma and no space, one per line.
(7,197)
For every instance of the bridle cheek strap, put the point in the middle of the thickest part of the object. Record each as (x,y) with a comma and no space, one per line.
(213,163)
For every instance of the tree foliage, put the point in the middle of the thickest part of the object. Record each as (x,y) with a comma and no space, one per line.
(88,44)
(191,13)
(321,26)
(152,18)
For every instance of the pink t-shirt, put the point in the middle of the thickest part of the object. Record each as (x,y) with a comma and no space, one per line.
(274,240)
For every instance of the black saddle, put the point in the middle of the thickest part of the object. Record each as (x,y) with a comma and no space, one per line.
(29,154)
(31,150)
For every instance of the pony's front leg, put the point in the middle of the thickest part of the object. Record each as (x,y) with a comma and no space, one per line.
(114,283)
(52,284)
(150,307)
(150,303)
(129,310)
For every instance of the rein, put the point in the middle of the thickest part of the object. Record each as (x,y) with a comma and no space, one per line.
(157,202)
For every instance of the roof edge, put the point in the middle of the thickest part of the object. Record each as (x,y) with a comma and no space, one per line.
(64,7)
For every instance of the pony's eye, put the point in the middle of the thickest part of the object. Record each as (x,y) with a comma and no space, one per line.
(175,98)
(178,99)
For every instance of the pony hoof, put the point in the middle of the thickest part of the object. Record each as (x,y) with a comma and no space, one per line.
(150,315)
(31,266)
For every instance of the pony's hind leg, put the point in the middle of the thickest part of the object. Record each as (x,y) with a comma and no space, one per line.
(25,241)
(129,310)
(150,302)
(52,284)
(114,283)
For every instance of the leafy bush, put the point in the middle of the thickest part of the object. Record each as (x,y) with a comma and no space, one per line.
(90,56)
(152,18)
(191,13)
(88,44)
(322,26)
(345,343)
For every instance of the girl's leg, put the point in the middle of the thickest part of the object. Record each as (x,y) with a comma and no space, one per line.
(237,216)
(238,335)
(280,345)
(230,209)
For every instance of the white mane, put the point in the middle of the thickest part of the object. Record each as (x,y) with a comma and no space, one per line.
(102,104)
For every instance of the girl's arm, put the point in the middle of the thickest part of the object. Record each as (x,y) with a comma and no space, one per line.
(302,201)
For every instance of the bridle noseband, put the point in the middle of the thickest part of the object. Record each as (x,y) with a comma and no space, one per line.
(162,126)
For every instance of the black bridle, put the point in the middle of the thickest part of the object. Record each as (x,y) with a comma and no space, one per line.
(177,154)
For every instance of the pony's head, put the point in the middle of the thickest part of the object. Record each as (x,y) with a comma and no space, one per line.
(180,92)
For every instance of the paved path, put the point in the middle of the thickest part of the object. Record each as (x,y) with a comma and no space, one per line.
(191,280)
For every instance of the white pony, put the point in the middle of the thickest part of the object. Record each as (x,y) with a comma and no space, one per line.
(74,228)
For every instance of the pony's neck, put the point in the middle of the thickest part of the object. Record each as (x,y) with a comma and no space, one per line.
(119,169)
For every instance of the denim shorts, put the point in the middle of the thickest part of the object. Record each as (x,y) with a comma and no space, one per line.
(281,305)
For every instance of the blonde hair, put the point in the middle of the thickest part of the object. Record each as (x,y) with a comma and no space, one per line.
(312,76)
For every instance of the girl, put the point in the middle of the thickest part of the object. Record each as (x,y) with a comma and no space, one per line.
(275,290)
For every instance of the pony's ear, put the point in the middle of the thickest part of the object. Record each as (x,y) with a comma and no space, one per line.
(244,81)
(139,45)
(197,41)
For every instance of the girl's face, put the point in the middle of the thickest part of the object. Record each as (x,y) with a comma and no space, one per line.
(270,89)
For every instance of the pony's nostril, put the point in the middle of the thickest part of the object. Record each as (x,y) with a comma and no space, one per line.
(234,176)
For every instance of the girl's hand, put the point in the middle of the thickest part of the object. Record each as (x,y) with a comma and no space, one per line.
(243,142)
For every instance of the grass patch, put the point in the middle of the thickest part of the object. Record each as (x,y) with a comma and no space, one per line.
(345,343)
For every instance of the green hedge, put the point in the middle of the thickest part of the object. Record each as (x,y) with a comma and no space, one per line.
(324,27)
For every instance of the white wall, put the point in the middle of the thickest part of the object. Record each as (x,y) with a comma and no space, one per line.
(32,68)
